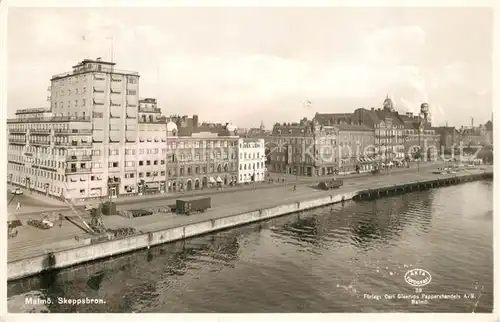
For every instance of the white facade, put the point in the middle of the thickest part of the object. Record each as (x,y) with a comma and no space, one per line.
(87,146)
(251,160)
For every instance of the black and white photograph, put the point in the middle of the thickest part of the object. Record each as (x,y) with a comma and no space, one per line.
(248,159)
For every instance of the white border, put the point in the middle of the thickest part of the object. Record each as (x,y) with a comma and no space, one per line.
(233,317)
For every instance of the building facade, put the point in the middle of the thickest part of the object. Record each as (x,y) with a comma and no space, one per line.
(200,156)
(388,130)
(151,154)
(449,138)
(356,148)
(87,145)
(305,148)
(251,160)
(421,139)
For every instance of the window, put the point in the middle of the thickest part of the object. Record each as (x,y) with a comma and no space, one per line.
(131,92)
(141,163)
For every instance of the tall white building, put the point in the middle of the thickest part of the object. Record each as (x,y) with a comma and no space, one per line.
(251,160)
(152,148)
(87,145)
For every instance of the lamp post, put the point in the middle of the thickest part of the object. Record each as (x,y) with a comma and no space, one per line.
(420,129)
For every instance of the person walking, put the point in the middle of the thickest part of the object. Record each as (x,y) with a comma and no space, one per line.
(18,205)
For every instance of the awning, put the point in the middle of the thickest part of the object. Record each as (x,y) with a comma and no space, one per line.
(219,179)
(211,180)
(152,185)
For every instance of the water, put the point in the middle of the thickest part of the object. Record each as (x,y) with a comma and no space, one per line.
(325,260)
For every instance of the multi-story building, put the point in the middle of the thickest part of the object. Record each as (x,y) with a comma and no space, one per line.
(200,156)
(356,147)
(305,148)
(80,151)
(388,130)
(151,149)
(251,160)
(356,142)
(49,153)
(449,138)
(420,137)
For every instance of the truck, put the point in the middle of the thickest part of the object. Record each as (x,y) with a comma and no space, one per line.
(331,184)
(191,205)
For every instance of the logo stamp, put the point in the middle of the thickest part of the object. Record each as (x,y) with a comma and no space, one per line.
(418,277)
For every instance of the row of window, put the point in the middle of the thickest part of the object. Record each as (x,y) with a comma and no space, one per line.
(252,166)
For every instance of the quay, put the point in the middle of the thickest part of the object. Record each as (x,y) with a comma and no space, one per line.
(420,185)
(35,251)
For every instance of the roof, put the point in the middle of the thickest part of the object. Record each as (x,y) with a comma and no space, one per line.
(333,118)
(445,129)
(375,116)
(190,130)
(353,127)
(293,129)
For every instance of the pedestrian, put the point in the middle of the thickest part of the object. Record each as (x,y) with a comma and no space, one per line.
(60,220)
(294,187)
(18,205)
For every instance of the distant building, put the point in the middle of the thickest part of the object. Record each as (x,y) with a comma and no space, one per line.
(388,130)
(449,138)
(305,148)
(420,137)
(251,160)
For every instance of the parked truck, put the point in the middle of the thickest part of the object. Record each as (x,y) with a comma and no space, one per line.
(191,205)
(331,184)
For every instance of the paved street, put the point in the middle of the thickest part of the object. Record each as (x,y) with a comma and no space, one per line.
(32,241)
(30,205)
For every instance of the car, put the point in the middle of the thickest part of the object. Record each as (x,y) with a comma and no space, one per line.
(16,191)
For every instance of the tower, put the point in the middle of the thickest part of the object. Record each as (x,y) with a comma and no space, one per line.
(425,112)
(388,105)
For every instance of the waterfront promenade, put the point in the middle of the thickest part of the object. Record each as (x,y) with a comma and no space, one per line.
(32,242)
(33,203)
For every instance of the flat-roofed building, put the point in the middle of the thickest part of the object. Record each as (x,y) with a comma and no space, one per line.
(251,160)
(79,149)
(200,156)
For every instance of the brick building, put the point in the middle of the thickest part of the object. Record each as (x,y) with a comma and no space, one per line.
(200,155)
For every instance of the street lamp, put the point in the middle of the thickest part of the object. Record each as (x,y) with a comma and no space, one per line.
(420,130)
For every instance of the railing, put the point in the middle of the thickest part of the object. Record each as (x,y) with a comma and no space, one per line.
(23,141)
(17,131)
(40,142)
(72,131)
(83,144)
(96,68)
(78,157)
(39,131)
(79,170)
(50,119)
(160,121)
(150,109)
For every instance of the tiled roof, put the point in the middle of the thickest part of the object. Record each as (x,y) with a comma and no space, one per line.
(333,118)
(353,127)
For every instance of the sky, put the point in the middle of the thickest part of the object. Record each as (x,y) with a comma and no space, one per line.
(247,65)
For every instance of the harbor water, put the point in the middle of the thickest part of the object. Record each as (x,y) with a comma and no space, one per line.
(345,258)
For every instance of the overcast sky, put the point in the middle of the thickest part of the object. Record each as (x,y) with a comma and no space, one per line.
(246,65)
